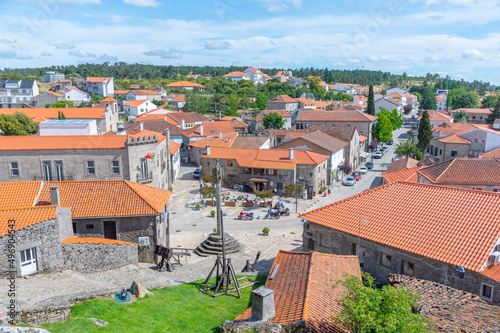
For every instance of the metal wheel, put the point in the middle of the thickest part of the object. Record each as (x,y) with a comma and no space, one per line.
(251,217)
(266,216)
(239,217)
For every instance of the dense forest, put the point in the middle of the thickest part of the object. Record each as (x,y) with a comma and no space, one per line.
(122,70)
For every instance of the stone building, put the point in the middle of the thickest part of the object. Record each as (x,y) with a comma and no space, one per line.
(263,169)
(442,234)
(474,116)
(139,157)
(114,210)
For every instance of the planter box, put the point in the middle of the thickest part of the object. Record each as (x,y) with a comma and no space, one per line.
(247,204)
(230,203)
(266,234)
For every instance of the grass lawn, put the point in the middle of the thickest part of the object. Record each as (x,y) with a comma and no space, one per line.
(181,308)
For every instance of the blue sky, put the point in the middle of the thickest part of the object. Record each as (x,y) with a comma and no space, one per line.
(460,38)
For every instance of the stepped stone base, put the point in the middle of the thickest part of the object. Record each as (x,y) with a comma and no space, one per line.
(213,245)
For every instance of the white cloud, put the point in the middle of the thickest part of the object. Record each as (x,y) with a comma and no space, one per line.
(46,54)
(279,5)
(59,44)
(8,41)
(473,54)
(142,3)
(172,53)
(81,53)
(216,45)
(107,58)
(14,55)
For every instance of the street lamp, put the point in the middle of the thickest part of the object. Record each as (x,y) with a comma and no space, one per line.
(359,237)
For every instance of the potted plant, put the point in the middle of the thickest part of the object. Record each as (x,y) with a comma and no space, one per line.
(215,230)
(265,231)
(197,206)
(212,213)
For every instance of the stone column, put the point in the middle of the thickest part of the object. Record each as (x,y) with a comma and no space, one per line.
(217,173)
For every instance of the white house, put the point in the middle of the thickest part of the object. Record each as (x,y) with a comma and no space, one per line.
(396,90)
(102,86)
(74,94)
(69,127)
(411,100)
(236,76)
(387,103)
(256,76)
(18,93)
(440,103)
(136,108)
(142,95)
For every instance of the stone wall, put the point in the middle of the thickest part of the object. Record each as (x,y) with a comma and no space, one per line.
(46,237)
(323,239)
(128,229)
(92,257)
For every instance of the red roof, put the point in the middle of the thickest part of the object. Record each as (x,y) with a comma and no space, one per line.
(334,116)
(402,164)
(53,113)
(464,171)
(95,240)
(210,128)
(25,217)
(134,104)
(283,99)
(174,147)
(236,74)
(448,224)
(282,113)
(184,84)
(404,175)
(62,142)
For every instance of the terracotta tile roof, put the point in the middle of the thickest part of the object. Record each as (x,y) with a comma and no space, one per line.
(404,163)
(154,125)
(55,94)
(109,99)
(39,119)
(303,288)
(362,138)
(174,147)
(62,142)
(405,175)
(306,101)
(144,92)
(452,225)
(184,84)
(226,140)
(178,116)
(255,142)
(145,134)
(178,98)
(453,128)
(238,123)
(340,132)
(325,141)
(210,128)
(449,309)
(236,74)
(454,138)
(495,153)
(52,113)
(200,117)
(122,92)
(340,115)
(322,104)
(283,99)
(435,115)
(472,110)
(283,132)
(95,240)
(134,104)
(98,79)
(156,117)
(439,99)
(282,113)
(266,158)
(290,135)
(19,194)
(25,217)
(464,171)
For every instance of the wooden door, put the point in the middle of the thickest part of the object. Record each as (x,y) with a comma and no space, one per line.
(110,229)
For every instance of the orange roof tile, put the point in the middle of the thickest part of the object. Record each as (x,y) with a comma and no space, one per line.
(402,164)
(55,94)
(53,113)
(25,217)
(134,104)
(98,198)
(62,142)
(236,74)
(174,147)
(179,98)
(473,110)
(322,104)
(210,128)
(439,99)
(404,175)
(178,116)
(98,79)
(362,138)
(121,92)
(495,153)
(144,92)
(464,171)
(452,225)
(184,84)
(306,101)
(435,115)
(492,272)
(147,116)
(454,138)
(303,288)
(226,140)
(145,134)
(283,99)
(340,115)
(109,99)
(95,240)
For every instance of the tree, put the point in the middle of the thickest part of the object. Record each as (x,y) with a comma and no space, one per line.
(17,124)
(371,102)
(261,102)
(273,121)
(263,195)
(495,114)
(290,190)
(408,148)
(428,98)
(489,101)
(424,132)
(462,99)
(367,309)
(460,116)
(383,129)
(345,167)
(158,102)
(60,115)
(63,103)
(396,120)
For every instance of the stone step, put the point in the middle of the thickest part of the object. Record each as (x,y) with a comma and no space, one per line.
(205,253)
(219,248)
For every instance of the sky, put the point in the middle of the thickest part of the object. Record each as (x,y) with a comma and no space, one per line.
(459,38)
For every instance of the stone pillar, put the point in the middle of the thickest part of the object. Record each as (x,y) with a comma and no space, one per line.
(263,304)
(217,173)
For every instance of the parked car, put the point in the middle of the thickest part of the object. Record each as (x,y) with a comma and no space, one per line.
(363,170)
(384,149)
(390,143)
(377,154)
(356,175)
(196,173)
(369,165)
(349,181)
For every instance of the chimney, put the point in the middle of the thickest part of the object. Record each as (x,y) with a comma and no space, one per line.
(340,104)
(208,150)
(291,153)
(229,139)
(263,304)
(220,115)
(201,129)
(183,124)
(141,124)
(54,195)
(220,135)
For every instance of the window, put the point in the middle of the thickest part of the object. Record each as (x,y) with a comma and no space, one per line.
(47,171)
(324,240)
(28,261)
(453,153)
(408,268)
(385,260)
(496,190)
(440,152)
(59,170)
(301,173)
(486,291)
(115,167)
(285,173)
(271,172)
(89,226)
(14,169)
(477,188)
(353,249)
(229,163)
(475,140)
(90,167)
(144,168)
(74,227)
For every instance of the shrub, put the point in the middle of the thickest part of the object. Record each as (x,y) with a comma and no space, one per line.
(323,189)
(170,188)
(212,212)
(264,194)
(290,190)
(265,230)
(198,205)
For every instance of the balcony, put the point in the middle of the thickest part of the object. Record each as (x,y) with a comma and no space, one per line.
(147,178)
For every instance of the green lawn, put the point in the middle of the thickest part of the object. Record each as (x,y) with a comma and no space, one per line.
(181,308)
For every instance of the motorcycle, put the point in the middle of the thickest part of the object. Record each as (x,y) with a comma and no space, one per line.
(274,213)
(285,211)
(246,216)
